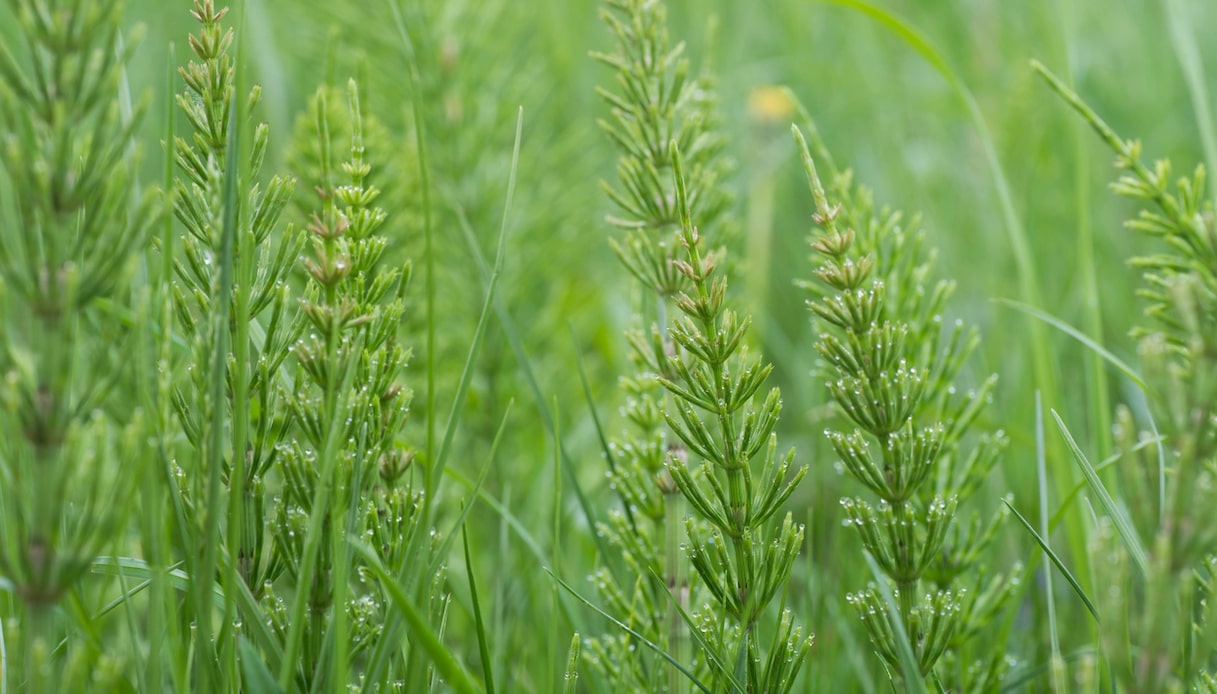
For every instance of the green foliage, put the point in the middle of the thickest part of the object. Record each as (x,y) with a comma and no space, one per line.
(73,221)
(712,410)
(892,367)
(240,432)
(1166,642)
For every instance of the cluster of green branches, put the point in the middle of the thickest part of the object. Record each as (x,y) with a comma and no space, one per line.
(891,367)
(697,397)
(276,409)
(71,451)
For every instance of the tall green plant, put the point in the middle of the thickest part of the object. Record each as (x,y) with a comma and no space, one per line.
(694,397)
(71,450)
(1156,553)
(347,472)
(891,368)
(233,308)
(652,103)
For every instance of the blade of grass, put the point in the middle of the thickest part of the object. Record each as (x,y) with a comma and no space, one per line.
(322,493)
(424,173)
(478,624)
(1065,22)
(1056,561)
(1020,245)
(378,663)
(458,402)
(696,634)
(512,520)
(571,679)
(251,615)
(256,675)
(909,670)
(555,546)
(1015,232)
(450,537)
(1017,680)
(1123,525)
(605,448)
(1191,63)
(642,639)
(517,347)
(204,655)
(1041,483)
(1100,468)
(445,663)
(1128,372)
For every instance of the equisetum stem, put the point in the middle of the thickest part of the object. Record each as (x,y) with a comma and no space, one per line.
(678,584)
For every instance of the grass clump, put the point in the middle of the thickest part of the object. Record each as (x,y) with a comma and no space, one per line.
(1158,559)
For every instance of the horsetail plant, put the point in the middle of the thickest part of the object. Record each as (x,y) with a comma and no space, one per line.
(69,451)
(1160,629)
(654,102)
(892,367)
(741,559)
(739,550)
(233,306)
(346,473)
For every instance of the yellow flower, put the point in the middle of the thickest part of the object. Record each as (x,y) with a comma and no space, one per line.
(769,104)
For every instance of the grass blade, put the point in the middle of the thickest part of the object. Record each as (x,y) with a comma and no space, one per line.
(1123,525)
(1191,63)
(571,678)
(1129,372)
(479,625)
(1016,234)
(696,634)
(442,552)
(644,640)
(256,675)
(547,417)
(1056,561)
(454,414)
(913,682)
(452,671)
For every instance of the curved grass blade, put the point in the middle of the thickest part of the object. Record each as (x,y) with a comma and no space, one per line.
(591,407)
(605,448)
(247,606)
(696,634)
(256,676)
(452,671)
(479,334)
(442,552)
(1119,364)
(571,678)
(513,522)
(1191,63)
(1017,681)
(1016,234)
(547,417)
(1101,467)
(644,640)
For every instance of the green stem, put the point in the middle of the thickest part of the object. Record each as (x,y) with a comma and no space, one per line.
(41,621)
(679,644)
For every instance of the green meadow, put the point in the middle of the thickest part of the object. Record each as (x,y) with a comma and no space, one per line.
(608,346)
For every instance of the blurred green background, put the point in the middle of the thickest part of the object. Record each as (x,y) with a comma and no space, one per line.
(882,108)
